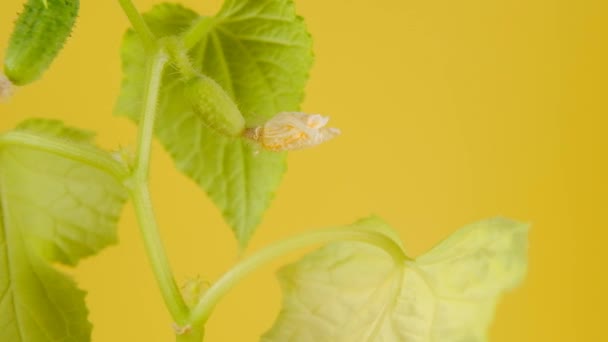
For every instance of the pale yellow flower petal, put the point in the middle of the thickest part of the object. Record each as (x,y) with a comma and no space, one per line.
(292,131)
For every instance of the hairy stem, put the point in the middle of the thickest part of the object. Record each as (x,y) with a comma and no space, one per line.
(198,32)
(201,312)
(141,196)
(138,23)
(179,57)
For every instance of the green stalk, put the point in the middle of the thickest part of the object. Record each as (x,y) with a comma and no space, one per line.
(156,65)
(141,196)
(138,23)
(179,57)
(192,335)
(203,309)
(197,32)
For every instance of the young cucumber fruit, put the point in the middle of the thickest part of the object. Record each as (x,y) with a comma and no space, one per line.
(214,106)
(38,36)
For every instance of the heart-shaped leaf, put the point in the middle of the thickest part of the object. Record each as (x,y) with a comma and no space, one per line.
(260,53)
(52,209)
(353,292)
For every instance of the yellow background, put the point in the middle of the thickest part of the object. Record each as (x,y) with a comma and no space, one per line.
(452,111)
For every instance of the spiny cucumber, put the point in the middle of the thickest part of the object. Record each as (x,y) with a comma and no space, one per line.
(214,106)
(38,36)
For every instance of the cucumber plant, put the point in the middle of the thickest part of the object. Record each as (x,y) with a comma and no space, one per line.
(221,92)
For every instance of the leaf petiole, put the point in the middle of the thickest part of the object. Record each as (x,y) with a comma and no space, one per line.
(198,31)
(138,23)
(203,309)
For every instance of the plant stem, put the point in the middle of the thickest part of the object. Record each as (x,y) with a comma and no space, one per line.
(156,254)
(141,196)
(179,57)
(156,65)
(86,154)
(138,23)
(197,32)
(201,312)
(193,335)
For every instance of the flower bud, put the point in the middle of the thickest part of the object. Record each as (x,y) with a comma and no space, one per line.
(193,289)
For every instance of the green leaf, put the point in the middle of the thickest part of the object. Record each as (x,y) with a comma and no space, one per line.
(350,291)
(52,209)
(260,53)
(56,129)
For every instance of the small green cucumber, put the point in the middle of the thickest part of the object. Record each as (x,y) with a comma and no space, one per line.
(214,106)
(38,36)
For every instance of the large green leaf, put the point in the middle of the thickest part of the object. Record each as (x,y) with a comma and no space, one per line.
(52,209)
(260,52)
(353,292)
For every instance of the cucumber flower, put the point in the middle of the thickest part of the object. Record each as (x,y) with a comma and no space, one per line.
(292,131)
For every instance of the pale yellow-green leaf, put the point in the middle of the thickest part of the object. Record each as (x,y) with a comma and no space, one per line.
(353,292)
(52,210)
